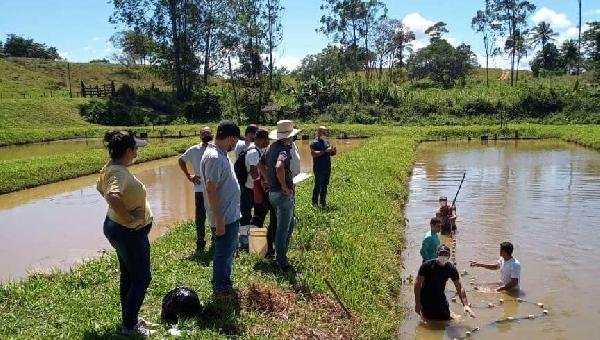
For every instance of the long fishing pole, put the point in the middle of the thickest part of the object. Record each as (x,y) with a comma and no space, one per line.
(460,186)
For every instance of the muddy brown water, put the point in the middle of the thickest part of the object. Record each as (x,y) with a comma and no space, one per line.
(58,225)
(544,196)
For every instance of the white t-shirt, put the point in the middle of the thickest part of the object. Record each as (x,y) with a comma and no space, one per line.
(241,146)
(193,156)
(510,269)
(252,158)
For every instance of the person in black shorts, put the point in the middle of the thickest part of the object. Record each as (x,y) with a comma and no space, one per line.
(430,299)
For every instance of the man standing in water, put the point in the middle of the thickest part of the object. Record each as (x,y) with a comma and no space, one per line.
(447,215)
(193,156)
(321,152)
(430,299)
(431,241)
(510,268)
(222,195)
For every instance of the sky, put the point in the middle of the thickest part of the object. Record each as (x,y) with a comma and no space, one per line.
(79,29)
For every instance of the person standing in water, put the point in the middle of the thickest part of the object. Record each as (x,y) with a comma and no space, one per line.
(510,268)
(127,224)
(193,156)
(431,241)
(447,215)
(321,152)
(430,299)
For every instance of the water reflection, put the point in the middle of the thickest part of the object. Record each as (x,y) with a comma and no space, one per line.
(541,195)
(56,225)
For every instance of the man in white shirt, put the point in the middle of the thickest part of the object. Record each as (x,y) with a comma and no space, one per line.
(253,154)
(192,157)
(249,135)
(510,268)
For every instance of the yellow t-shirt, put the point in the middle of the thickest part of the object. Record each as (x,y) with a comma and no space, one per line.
(116,178)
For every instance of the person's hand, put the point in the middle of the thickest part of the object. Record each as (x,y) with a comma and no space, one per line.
(473,264)
(286,191)
(220,229)
(329,150)
(418,308)
(194,179)
(468,310)
(265,185)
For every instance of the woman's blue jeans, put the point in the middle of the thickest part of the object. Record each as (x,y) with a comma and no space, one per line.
(133,251)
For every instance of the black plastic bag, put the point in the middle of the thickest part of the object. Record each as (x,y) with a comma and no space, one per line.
(181,302)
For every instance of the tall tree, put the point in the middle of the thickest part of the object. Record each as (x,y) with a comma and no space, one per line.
(135,46)
(392,40)
(591,41)
(436,31)
(274,32)
(569,55)
(512,16)
(542,34)
(484,22)
(214,27)
(401,43)
(373,12)
(579,41)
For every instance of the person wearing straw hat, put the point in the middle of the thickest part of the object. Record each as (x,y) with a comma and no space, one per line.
(277,163)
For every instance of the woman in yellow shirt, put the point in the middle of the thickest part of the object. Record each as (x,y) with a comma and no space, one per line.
(127,225)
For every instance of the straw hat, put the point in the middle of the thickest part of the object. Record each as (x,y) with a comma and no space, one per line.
(285,129)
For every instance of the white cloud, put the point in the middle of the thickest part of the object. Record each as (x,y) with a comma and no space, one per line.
(418,24)
(289,62)
(64,54)
(556,20)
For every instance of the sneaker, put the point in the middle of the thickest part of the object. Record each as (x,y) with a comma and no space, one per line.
(141,329)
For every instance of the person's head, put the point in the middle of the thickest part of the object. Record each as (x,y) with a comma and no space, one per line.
(206,135)
(261,139)
(322,131)
(436,225)
(443,254)
(506,250)
(228,134)
(284,133)
(122,146)
(443,201)
(250,132)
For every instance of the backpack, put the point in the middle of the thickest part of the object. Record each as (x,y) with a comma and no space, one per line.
(239,167)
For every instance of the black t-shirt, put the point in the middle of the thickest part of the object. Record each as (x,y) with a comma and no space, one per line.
(322,162)
(436,276)
(278,151)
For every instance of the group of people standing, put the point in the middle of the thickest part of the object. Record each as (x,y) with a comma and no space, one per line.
(228,195)
(436,269)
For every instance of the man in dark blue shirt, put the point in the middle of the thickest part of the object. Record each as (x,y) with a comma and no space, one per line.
(321,152)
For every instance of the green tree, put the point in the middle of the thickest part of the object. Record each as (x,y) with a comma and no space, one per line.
(274,32)
(484,23)
(329,63)
(442,63)
(436,31)
(548,58)
(17,46)
(591,41)
(542,34)
(569,55)
(215,26)
(135,45)
(512,16)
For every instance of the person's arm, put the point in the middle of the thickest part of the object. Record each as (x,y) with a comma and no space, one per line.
(494,266)
(453,213)
(280,173)
(417,289)
(213,201)
(462,294)
(183,166)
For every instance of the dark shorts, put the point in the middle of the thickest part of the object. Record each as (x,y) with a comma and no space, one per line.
(436,311)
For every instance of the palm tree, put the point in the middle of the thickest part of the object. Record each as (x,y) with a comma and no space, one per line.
(542,33)
(579,42)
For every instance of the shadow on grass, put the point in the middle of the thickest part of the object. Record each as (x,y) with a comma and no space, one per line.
(108,333)
(203,258)
(269,267)
(221,314)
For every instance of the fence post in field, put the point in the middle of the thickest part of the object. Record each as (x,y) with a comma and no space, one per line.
(69,75)
(82,89)
(112,88)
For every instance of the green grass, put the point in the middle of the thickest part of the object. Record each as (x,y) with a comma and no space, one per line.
(355,244)
(37,77)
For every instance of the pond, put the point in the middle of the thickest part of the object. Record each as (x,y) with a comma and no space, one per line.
(544,197)
(57,225)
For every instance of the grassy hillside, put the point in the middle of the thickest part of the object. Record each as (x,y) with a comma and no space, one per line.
(36,77)
(41,112)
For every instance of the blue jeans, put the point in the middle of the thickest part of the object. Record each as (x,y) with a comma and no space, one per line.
(225,248)
(133,251)
(284,209)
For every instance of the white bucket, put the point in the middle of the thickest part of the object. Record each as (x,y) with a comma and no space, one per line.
(257,239)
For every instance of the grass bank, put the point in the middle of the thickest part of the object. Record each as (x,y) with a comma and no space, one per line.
(84,302)
(355,244)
